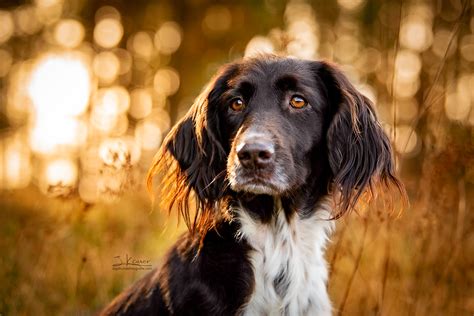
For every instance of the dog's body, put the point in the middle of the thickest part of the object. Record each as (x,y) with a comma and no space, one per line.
(266,150)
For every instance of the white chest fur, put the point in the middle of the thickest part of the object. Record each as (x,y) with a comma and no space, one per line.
(288,262)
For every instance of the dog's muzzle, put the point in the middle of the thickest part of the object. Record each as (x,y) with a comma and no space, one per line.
(254,166)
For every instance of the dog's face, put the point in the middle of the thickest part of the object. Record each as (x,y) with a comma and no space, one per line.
(273,118)
(277,126)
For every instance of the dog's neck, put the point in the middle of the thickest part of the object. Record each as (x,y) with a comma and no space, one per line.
(303,201)
(287,255)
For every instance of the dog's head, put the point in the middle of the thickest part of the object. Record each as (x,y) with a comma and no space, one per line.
(275,126)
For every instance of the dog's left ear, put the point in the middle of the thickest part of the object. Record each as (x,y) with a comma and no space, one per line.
(192,160)
(360,155)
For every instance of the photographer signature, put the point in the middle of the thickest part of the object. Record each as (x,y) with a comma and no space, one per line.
(131,263)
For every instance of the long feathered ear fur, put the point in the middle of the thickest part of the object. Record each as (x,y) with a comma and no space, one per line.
(191,161)
(360,155)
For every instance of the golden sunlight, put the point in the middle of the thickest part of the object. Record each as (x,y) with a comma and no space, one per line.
(60,84)
(51,133)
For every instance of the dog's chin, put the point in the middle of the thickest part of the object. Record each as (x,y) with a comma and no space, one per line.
(255,189)
(257,186)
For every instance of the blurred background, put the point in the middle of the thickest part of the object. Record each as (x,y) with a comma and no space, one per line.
(89,88)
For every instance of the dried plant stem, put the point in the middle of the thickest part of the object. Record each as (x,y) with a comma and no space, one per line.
(386,267)
(456,241)
(79,274)
(427,103)
(356,267)
(394,77)
(337,249)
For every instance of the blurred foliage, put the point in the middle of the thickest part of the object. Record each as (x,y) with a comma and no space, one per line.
(89,88)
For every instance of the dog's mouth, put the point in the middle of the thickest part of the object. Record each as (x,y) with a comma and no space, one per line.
(257,181)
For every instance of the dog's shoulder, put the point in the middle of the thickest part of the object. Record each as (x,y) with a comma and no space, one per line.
(145,297)
(214,278)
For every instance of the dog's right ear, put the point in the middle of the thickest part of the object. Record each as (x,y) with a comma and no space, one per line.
(192,160)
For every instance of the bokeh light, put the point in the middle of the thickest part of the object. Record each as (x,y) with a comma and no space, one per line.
(47,3)
(407,66)
(69,33)
(60,84)
(26,19)
(168,37)
(6,26)
(107,12)
(141,103)
(161,118)
(15,165)
(142,45)
(106,66)
(351,4)
(19,105)
(49,11)
(166,81)
(416,33)
(458,103)
(302,32)
(259,45)
(51,133)
(109,110)
(406,141)
(108,32)
(119,153)
(304,43)
(60,173)
(148,135)
(406,89)
(217,20)
(369,60)
(6,61)
(125,59)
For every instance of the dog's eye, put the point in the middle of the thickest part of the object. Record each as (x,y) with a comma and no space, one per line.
(298,102)
(237,105)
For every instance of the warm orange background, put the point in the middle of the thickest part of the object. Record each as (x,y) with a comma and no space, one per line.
(89,88)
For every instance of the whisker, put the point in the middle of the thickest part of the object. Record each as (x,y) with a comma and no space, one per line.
(213,180)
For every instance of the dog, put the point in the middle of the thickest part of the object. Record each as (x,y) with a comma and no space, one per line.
(269,155)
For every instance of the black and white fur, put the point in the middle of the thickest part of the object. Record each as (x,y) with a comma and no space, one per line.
(271,152)
(287,258)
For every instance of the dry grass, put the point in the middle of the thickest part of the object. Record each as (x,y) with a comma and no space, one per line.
(57,254)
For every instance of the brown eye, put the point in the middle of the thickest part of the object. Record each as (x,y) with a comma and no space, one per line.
(298,102)
(237,105)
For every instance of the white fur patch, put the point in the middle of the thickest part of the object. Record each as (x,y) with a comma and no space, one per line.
(288,262)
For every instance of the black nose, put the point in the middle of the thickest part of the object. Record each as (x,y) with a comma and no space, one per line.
(255,155)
